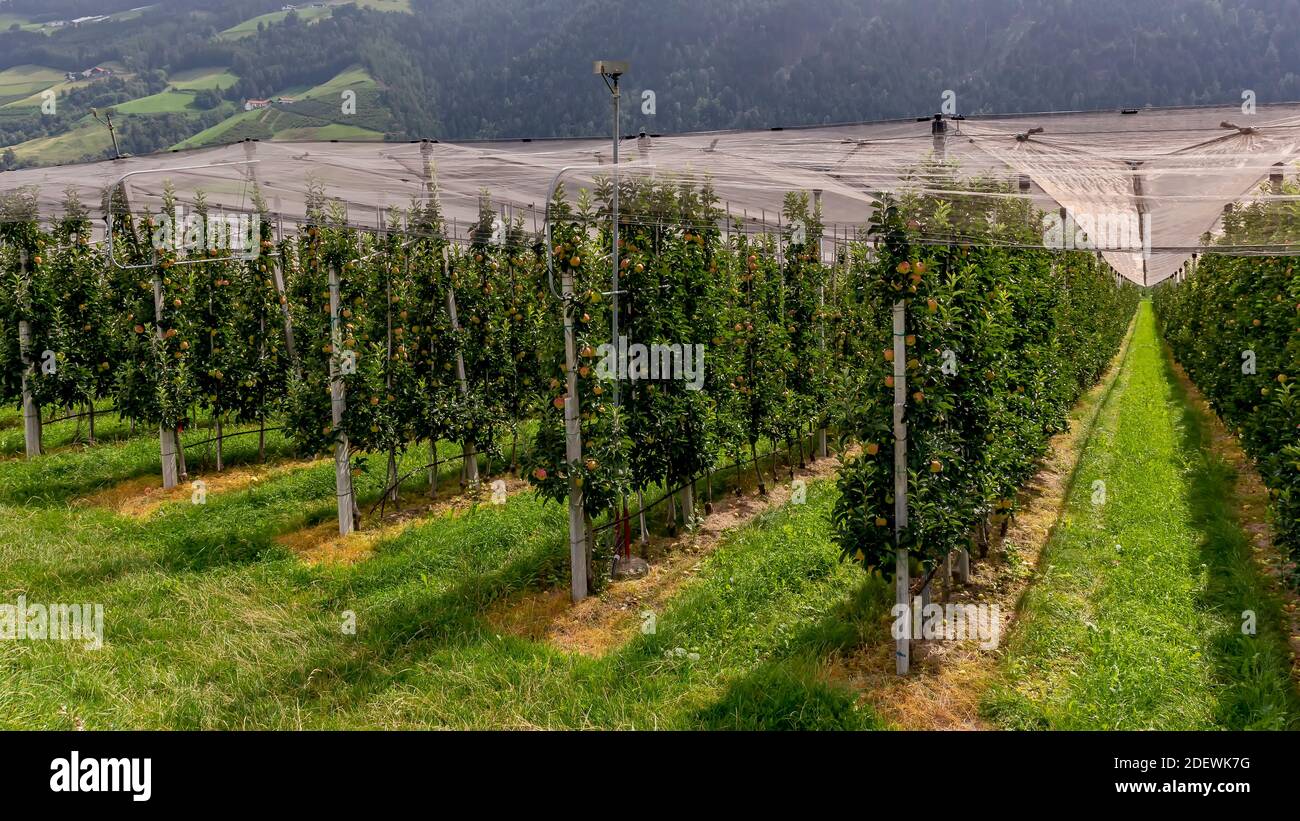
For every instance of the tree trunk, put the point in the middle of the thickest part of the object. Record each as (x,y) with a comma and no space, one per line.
(392,475)
(469,465)
(180,455)
(688,504)
(758,472)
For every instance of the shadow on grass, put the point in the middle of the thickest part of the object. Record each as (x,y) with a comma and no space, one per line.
(55,478)
(1255,668)
(406,613)
(792,691)
(243,526)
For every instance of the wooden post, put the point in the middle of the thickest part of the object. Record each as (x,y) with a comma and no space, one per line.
(902,580)
(31,412)
(338,402)
(688,502)
(822,451)
(962,571)
(391,481)
(166,436)
(640,503)
(573,449)
(470,460)
(288,320)
(821,315)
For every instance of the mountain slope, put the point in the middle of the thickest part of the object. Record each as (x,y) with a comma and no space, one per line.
(499,68)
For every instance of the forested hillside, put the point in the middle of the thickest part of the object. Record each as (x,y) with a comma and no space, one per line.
(498,68)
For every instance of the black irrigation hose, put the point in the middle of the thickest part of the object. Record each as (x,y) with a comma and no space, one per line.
(384,495)
(229,436)
(77,416)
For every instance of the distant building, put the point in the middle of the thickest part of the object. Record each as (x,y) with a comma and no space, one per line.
(250,105)
(90,73)
(285,100)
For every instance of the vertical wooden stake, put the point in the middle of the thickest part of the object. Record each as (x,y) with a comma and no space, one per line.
(288,320)
(640,503)
(338,403)
(573,450)
(469,463)
(31,412)
(902,580)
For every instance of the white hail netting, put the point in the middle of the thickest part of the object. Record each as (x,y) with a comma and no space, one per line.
(1145,186)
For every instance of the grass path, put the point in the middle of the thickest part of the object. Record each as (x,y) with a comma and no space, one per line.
(209,624)
(1135,618)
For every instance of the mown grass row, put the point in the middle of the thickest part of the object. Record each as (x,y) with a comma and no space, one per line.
(210,623)
(1135,618)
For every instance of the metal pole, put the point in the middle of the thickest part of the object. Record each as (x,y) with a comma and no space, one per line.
(614,303)
(902,582)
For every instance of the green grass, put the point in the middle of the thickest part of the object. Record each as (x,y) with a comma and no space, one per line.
(200,79)
(315,116)
(164,102)
(35,100)
(333,131)
(386,5)
(310,14)
(27,80)
(353,77)
(87,137)
(228,130)
(248,28)
(1134,620)
(209,623)
(212,623)
(8,20)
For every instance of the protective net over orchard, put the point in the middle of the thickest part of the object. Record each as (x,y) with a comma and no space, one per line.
(1146,188)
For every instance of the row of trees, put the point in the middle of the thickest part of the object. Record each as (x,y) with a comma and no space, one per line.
(1000,341)
(1232,324)
(378,342)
